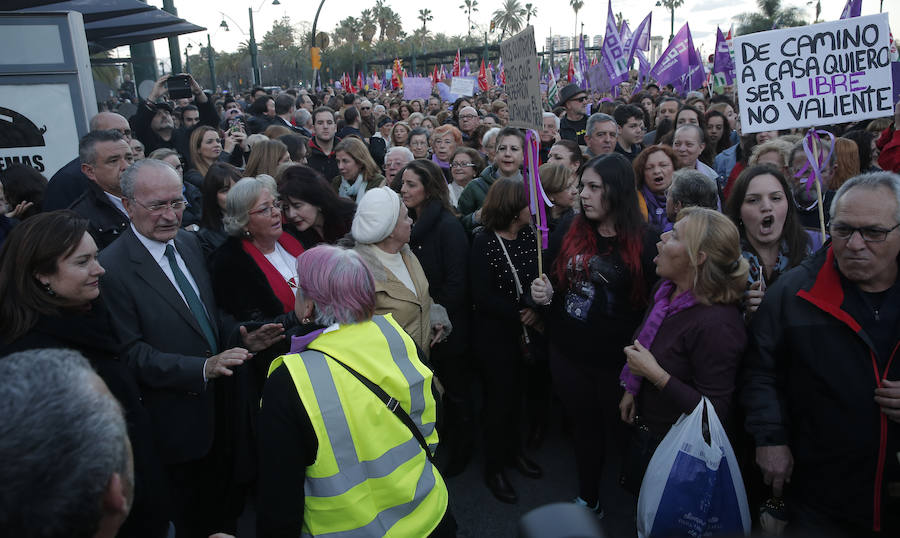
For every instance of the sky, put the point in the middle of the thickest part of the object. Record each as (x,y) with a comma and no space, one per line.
(555,15)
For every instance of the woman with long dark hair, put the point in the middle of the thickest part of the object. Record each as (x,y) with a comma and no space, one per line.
(50,284)
(761,205)
(218,180)
(313,212)
(602,274)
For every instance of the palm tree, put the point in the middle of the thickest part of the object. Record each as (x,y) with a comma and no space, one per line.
(469,6)
(770,13)
(530,11)
(368,25)
(509,18)
(425,16)
(381,13)
(576,6)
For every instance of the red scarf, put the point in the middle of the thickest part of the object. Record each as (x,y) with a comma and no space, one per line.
(279,286)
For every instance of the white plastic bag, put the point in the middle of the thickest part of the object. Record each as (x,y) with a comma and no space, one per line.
(691,488)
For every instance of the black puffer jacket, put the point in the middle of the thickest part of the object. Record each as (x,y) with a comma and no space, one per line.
(442,248)
(809,382)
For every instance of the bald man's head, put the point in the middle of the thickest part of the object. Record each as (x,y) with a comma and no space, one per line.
(106,121)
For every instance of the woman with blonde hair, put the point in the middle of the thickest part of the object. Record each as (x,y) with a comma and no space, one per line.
(692,340)
(265,157)
(206,147)
(561,188)
(358,172)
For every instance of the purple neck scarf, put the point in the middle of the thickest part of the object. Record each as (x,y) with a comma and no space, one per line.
(442,164)
(656,209)
(663,307)
(299,343)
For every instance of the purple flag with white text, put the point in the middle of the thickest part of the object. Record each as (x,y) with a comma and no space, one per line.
(851,9)
(722,60)
(613,55)
(674,66)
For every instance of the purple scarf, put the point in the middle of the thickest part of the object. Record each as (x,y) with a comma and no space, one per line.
(442,164)
(656,209)
(299,343)
(663,307)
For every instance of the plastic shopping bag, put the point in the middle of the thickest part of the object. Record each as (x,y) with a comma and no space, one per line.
(692,488)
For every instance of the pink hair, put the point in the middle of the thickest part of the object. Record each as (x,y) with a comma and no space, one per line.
(338,282)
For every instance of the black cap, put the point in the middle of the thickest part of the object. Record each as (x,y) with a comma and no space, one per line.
(384,120)
(568,92)
(164,105)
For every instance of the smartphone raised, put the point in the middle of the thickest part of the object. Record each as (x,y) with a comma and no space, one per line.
(179,87)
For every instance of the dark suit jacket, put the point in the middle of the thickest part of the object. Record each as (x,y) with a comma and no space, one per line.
(107,223)
(65,186)
(163,343)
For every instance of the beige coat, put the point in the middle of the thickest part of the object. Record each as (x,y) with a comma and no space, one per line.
(413,311)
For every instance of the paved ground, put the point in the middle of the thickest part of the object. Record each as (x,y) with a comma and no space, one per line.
(479,514)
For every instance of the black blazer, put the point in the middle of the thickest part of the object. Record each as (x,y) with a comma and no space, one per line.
(163,343)
(89,333)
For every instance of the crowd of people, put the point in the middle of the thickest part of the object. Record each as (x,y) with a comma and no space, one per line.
(260,281)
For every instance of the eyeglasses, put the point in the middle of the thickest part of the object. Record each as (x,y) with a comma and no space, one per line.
(869,234)
(467,116)
(365,108)
(461,165)
(268,211)
(125,132)
(580,99)
(161,207)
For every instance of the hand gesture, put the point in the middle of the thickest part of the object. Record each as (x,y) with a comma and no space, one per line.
(221,364)
(776,464)
(437,332)
(159,89)
(20,208)
(888,398)
(542,290)
(528,317)
(753,297)
(640,361)
(263,337)
(626,408)
(230,141)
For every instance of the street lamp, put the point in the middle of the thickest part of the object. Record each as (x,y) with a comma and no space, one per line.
(187,59)
(254,53)
(670,5)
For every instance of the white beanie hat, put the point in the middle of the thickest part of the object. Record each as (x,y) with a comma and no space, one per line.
(376,216)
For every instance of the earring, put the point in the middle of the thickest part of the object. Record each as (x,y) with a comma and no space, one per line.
(49,290)
(247,234)
(305,321)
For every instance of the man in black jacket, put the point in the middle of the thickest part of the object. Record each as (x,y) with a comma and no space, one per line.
(821,386)
(69,182)
(154,126)
(321,146)
(104,156)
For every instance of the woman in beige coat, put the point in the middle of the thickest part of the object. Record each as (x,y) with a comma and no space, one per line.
(381,229)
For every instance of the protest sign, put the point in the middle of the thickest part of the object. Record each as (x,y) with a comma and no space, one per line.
(462,86)
(416,88)
(519,57)
(598,78)
(822,74)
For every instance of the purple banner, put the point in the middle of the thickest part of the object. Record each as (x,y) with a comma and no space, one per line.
(598,78)
(722,61)
(851,9)
(895,74)
(673,67)
(416,88)
(613,56)
(581,71)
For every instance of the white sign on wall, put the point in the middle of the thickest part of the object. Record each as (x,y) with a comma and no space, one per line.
(37,127)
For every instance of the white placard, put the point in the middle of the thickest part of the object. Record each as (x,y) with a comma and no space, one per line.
(462,86)
(821,74)
(37,127)
(523,85)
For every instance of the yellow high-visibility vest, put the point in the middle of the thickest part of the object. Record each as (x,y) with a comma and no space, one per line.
(371,476)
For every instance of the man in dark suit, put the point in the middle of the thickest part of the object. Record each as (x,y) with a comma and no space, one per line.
(175,340)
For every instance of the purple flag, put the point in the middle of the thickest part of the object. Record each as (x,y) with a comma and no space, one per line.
(640,40)
(613,56)
(852,9)
(466,71)
(674,66)
(722,61)
(581,72)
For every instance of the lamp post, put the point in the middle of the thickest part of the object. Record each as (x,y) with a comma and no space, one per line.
(187,59)
(314,54)
(174,56)
(670,5)
(212,63)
